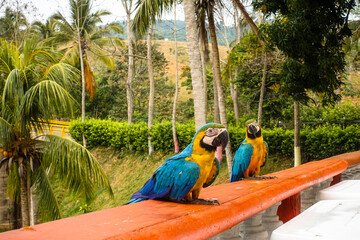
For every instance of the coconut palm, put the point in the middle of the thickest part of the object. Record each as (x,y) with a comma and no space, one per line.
(35,90)
(84,40)
(12,24)
(45,30)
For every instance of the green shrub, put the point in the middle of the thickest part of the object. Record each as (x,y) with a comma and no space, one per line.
(317,143)
(161,136)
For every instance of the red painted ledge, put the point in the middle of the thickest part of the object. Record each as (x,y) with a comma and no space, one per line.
(165,220)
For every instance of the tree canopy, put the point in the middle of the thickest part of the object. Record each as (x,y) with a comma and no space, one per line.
(310,34)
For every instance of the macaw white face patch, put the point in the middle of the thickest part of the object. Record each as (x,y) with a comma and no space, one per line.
(253,130)
(211,134)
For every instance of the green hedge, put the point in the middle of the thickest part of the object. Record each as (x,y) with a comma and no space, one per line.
(318,143)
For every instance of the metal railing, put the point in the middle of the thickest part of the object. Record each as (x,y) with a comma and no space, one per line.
(59,128)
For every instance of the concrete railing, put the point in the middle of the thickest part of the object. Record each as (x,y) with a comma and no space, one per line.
(247,210)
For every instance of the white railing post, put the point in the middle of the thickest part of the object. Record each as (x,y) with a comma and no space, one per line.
(231,234)
(252,229)
(270,219)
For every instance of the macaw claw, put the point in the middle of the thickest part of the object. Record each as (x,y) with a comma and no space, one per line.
(259,178)
(202,202)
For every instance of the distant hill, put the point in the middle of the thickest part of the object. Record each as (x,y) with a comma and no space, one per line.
(163,30)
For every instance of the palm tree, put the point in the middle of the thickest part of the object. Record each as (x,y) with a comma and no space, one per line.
(128,4)
(35,90)
(151,9)
(46,29)
(175,139)
(152,87)
(11,25)
(83,40)
(209,6)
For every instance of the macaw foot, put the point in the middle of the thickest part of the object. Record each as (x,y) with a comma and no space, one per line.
(259,178)
(202,202)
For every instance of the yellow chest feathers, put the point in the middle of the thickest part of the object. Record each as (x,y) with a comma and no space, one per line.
(203,158)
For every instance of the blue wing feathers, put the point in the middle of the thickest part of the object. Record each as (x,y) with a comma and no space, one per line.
(241,161)
(174,179)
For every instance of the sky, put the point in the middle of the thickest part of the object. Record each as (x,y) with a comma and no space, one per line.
(45,8)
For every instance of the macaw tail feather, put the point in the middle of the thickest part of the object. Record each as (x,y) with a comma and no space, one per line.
(234,178)
(135,200)
(147,192)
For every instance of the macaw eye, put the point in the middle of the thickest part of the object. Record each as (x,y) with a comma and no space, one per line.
(211,132)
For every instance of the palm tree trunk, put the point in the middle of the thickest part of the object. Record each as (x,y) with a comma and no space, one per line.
(5,204)
(83,86)
(297,150)
(217,74)
(152,87)
(259,15)
(175,139)
(195,63)
(204,77)
(237,26)
(34,205)
(24,198)
(238,39)
(262,91)
(129,96)
(233,93)
(216,102)
(248,19)
(204,53)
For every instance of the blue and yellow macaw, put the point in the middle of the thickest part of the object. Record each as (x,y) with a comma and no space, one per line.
(182,176)
(251,155)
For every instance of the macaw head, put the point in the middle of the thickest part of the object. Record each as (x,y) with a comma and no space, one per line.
(253,130)
(212,135)
(205,140)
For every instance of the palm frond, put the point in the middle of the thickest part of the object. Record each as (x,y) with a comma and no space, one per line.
(44,100)
(28,48)
(64,74)
(75,165)
(108,29)
(7,135)
(109,42)
(71,56)
(90,83)
(46,193)
(102,56)
(7,53)
(13,89)
(61,22)
(147,12)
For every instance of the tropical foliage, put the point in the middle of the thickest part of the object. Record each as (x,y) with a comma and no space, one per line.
(84,24)
(332,139)
(34,89)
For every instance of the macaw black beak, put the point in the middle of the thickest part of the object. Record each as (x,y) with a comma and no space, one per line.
(222,139)
(253,130)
